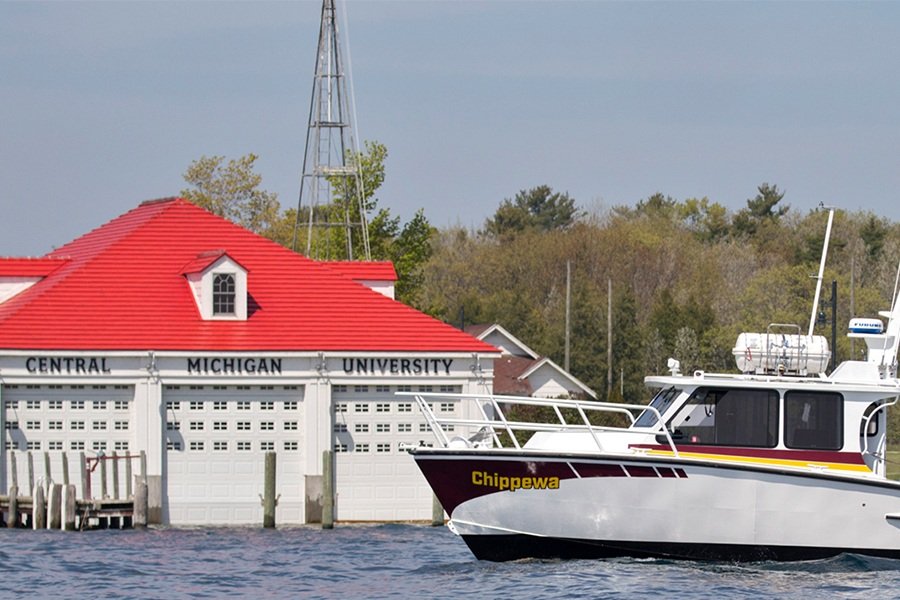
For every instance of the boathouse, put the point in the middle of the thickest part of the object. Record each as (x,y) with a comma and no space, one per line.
(174,333)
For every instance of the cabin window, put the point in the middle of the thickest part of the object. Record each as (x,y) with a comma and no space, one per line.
(872,429)
(223,294)
(661,403)
(814,420)
(728,417)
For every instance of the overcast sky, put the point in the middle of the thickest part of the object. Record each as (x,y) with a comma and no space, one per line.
(105,104)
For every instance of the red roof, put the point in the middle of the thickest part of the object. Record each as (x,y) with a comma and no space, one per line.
(29,267)
(376,270)
(123,288)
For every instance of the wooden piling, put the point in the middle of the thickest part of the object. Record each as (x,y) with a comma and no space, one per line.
(30,470)
(115,475)
(38,508)
(141,505)
(65,468)
(103,494)
(128,477)
(54,508)
(269,492)
(437,512)
(13,471)
(327,490)
(13,520)
(68,508)
(48,479)
(85,488)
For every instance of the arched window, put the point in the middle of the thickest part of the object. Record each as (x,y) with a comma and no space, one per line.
(223,294)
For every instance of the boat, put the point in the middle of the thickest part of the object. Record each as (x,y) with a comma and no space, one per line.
(779,461)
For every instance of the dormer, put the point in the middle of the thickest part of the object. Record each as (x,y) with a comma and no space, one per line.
(19,274)
(219,286)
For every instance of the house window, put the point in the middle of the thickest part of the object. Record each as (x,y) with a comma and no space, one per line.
(223,294)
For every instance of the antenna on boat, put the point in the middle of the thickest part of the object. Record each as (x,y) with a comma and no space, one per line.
(815,306)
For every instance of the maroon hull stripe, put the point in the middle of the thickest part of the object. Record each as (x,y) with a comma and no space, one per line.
(456,481)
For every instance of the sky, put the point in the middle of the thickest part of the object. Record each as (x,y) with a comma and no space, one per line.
(106,104)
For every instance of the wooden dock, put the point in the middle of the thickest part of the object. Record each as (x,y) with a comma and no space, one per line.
(49,505)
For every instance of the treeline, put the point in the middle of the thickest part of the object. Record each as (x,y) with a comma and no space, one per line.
(687,276)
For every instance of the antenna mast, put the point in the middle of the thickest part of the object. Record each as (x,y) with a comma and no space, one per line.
(331,198)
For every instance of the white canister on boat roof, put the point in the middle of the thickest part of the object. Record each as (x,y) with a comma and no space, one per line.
(863,325)
(774,352)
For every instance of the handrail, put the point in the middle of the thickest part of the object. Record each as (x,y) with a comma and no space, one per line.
(498,420)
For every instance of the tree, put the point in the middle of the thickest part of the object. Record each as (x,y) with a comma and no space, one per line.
(410,252)
(760,210)
(539,208)
(232,191)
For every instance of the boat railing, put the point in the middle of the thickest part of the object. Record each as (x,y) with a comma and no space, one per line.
(491,418)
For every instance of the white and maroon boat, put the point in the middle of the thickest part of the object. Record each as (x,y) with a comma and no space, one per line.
(779,462)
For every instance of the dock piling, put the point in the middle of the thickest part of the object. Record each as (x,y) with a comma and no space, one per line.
(141,505)
(38,508)
(68,508)
(327,490)
(269,492)
(13,520)
(54,509)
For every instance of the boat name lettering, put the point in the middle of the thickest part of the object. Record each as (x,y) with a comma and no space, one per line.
(67,364)
(219,365)
(503,482)
(398,366)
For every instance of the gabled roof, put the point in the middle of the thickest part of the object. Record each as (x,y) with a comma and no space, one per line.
(519,362)
(203,260)
(123,289)
(502,339)
(357,270)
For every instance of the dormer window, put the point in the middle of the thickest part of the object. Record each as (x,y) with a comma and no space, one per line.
(223,294)
(219,286)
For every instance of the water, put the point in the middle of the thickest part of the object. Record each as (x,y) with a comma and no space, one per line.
(385,561)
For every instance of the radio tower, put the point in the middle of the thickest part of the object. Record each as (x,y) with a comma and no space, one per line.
(331,186)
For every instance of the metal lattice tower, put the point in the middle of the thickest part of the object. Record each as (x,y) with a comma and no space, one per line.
(327,168)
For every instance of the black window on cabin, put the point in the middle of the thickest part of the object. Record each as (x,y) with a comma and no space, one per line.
(814,420)
(223,294)
(728,417)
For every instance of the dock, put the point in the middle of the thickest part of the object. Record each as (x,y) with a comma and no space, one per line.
(45,504)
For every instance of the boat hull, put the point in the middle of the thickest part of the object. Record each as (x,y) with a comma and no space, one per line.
(569,506)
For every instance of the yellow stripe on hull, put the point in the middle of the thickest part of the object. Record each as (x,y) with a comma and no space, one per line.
(759,460)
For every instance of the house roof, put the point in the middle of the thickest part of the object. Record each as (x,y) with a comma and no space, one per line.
(123,288)
(517,347)
(376,270)
(203,260)
(29,267)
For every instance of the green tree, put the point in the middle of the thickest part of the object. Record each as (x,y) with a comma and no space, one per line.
(760,210)
(231,190)
(410,252)
(539,208)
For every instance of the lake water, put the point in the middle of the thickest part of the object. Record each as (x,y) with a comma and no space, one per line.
(385,561)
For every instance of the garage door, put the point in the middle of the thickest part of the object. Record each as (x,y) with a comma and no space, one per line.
(216,441)
(54,419)
(374,479)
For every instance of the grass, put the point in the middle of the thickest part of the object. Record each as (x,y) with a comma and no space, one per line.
(893,464)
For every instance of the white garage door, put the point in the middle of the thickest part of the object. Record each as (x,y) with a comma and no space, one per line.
(216,439)
(374,479)
(52,419)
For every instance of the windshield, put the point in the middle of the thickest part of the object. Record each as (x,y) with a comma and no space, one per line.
(660,402)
